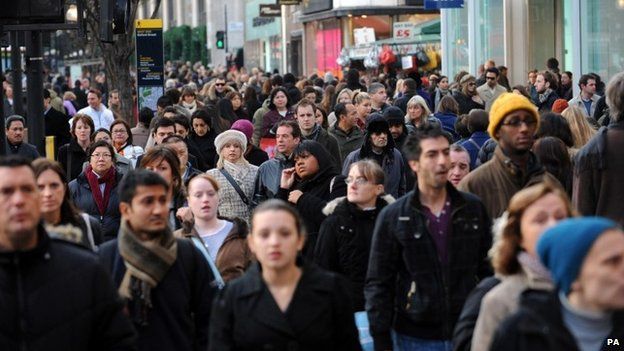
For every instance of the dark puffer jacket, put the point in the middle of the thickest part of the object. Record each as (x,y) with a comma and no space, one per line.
(321,188)
(72,156)
(407,289)
(58,297)
(344,241)
(83,198)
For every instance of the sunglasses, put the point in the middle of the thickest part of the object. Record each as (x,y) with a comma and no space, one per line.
(219,84)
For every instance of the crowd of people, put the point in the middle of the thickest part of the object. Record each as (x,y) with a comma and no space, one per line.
(252,211)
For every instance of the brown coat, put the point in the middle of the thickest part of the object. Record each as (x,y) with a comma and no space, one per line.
(497,180)
(234,256)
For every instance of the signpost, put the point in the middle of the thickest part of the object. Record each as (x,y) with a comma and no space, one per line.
(150,62)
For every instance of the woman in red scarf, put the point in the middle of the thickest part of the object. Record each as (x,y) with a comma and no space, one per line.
(95,190)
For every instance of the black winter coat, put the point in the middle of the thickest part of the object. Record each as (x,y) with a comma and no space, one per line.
(325,186)
(256,156)
(464,329)
(82,196)
(206,147)
(58,297)
(245,316)
(344,241)
(538,325)
(407,289)
(178,320)
(56,124)
(547,104)
(466,103)
(72,156)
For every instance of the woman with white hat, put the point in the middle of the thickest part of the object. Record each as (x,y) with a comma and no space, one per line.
(235,175)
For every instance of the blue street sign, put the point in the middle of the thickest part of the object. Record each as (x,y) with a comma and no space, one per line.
(443,4)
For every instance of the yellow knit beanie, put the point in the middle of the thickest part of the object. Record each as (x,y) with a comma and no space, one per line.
(506,104)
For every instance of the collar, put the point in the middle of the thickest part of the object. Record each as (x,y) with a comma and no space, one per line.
(451,192)
(533,165)
(41,250)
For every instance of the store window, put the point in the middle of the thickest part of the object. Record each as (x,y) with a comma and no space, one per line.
(458,51)
(602,37)
(490,31)
(381,24)
(328,46)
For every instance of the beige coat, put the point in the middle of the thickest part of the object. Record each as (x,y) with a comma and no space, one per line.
(501,302)
(489,95)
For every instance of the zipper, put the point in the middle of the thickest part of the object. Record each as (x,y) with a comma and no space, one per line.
(410,293)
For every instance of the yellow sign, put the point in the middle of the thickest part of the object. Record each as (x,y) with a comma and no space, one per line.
(149,23)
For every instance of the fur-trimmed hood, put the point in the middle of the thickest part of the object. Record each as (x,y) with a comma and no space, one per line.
(212,91)
(332,205)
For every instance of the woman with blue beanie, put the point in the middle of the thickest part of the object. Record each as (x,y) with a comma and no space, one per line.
(586,259)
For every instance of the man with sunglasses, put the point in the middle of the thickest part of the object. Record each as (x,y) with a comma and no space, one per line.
(513,124)
(468,98)
(491,89)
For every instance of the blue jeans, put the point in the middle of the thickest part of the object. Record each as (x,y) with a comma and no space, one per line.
(408,343)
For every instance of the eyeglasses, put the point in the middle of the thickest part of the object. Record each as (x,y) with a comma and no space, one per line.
(358,181)
(120,131)
(472,84)
(102,156)
(515,123)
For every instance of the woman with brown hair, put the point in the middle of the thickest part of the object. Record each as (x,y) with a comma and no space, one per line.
(327,102)
(73,155)
(60,216)
(530,212)
(237,105)
(164,161)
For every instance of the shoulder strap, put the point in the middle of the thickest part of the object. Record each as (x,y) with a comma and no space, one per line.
(235,185)
(199,244)
(474,143)
(87,220)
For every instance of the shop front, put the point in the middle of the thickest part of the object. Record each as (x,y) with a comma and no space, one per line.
(262,38)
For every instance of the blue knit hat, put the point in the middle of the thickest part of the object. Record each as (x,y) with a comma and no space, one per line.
(562,248)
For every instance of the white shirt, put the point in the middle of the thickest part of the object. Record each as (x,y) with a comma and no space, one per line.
(102,118)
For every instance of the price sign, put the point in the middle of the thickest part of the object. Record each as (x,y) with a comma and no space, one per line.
(403,30)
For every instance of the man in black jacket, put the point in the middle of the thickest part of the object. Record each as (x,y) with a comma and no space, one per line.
(56,124)
(429,250)
(166,282)
(54,295)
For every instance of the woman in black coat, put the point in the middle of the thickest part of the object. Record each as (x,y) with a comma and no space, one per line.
(86,189)
(310,185)
(344,240)
(73,155)
(282,303)
(203,135)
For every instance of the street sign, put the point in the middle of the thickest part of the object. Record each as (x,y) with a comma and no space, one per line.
(270,10)
(443,4)
(403,30)
(150,62)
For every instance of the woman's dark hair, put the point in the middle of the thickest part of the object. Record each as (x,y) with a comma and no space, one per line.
(553,124)
(102,143)
(183,121)
(136,178)
(205,114)
(69,212)
(226,111)
(553,155)
(522,91)
(329,98)
(160,153)
(232,94)
(272,96)
(461,126)
(325,123)
(250,94)
(145,116)
(448,104)
(101,130)
(279,205)
(126,126)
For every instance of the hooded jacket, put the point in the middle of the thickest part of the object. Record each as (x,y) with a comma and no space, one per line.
(344,241)
(391,159)
(326,185)
(328,141)
(234,256)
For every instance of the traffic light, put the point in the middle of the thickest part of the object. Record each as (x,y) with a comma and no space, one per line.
(114,17)
(220,39)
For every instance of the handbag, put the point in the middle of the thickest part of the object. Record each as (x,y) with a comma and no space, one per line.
(236,187)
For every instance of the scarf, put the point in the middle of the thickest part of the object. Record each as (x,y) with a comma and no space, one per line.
(191,107)
(543,97)
(237,170)
(146,263)
(94,184)
(535,268)
(120,150)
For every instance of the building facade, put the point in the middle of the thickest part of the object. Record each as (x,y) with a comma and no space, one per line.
(584,35)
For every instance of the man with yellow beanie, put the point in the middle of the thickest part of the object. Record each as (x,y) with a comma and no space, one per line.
(513,124)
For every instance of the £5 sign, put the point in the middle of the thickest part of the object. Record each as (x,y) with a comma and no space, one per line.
(403,30)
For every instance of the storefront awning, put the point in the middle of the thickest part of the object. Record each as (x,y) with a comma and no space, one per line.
(364,10)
